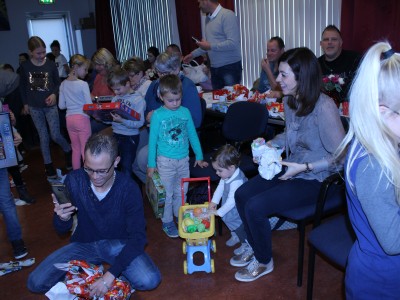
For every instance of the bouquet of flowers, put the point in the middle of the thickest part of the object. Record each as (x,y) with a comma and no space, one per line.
(333,83)
(333,86)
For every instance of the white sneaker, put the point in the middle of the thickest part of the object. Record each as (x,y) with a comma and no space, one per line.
(254,271)
(241,249)
(233,240)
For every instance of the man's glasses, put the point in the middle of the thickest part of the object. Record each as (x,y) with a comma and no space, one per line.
(99,172)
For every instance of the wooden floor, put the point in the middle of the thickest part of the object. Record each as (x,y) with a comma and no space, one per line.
(41,239)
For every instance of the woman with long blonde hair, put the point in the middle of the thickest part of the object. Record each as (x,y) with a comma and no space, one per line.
(372,172)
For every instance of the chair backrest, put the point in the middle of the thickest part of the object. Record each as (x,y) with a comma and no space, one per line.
(245,121)
(203,104)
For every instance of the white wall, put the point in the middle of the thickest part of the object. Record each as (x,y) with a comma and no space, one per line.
(14,41)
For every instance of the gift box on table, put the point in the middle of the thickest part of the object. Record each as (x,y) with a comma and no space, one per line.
(156,193)
(103,111)
(8,155)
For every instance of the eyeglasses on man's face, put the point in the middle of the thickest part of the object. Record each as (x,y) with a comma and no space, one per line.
(100,172)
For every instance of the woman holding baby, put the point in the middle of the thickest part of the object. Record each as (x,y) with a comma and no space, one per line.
(312,134)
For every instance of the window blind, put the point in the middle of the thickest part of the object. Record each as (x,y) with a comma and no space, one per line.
(298,22)
(140,24)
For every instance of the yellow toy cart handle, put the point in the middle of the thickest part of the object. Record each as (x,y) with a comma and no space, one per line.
(183,180)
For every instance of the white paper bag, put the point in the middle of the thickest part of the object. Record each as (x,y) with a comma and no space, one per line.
(270,163)
(60,292)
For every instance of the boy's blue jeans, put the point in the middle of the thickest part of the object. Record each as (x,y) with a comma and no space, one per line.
(7,208)
(127,146)
(142,273)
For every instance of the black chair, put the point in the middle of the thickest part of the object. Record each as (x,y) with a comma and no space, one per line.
(332,196)
(333,239)
(243,122)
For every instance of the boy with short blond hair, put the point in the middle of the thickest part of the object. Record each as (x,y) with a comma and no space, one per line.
(171,131)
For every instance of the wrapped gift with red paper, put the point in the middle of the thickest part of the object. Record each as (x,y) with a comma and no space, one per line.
(103,111)
(80,275)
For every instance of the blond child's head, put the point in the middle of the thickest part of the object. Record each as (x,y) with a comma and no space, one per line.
(170,91)
(118,81)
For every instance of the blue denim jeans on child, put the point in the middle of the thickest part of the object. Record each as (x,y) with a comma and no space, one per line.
(127,146)
(8,209)
(142,273)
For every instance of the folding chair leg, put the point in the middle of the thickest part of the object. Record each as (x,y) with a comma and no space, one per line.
(310,274)
(302,234)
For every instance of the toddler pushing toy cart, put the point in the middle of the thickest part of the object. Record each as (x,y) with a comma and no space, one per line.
(196,226)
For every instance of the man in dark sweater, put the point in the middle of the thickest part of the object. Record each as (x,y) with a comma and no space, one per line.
(336,61)
(111,224)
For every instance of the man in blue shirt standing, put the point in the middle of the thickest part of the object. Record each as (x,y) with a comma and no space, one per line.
(221,43)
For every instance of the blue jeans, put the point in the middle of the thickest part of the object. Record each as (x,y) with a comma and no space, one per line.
(257,199)
(140,165)
(39,117)
(7,208)
(226,75)
(127,146)
(142,273)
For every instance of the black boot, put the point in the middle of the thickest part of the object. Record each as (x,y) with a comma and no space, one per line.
(68,160)
(24,195)
(50,171)
(19,249)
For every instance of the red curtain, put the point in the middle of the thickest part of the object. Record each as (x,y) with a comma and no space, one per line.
(364,22)
(188,15)
(104,29)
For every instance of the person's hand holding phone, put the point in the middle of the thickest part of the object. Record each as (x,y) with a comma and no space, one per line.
(62,204)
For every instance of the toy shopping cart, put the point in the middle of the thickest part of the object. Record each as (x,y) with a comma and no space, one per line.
(196,226)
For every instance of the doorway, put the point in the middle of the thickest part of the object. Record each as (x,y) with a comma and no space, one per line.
(52,26)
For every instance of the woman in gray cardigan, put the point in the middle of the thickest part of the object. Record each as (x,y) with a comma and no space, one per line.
(312,134)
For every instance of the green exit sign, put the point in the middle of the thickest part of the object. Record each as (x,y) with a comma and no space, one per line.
(47,1)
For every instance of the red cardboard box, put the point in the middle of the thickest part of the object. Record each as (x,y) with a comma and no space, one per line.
(102,111)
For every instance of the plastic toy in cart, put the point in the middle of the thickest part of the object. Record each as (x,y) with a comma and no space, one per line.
(195,222)
(196,225)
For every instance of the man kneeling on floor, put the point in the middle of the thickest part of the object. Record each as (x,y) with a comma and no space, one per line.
(111,224)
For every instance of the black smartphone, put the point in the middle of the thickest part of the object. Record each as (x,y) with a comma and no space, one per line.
(60,191)
(196,40)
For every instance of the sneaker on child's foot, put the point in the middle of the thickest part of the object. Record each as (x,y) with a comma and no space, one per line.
(241,249)
(22,167)
(170,229)
(24,195)
(50,171)
(19,249)
(68,160)
(242,260)
(254,271)
(233,240)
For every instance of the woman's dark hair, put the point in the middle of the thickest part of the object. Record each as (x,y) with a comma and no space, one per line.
(154,50)
(308,75)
